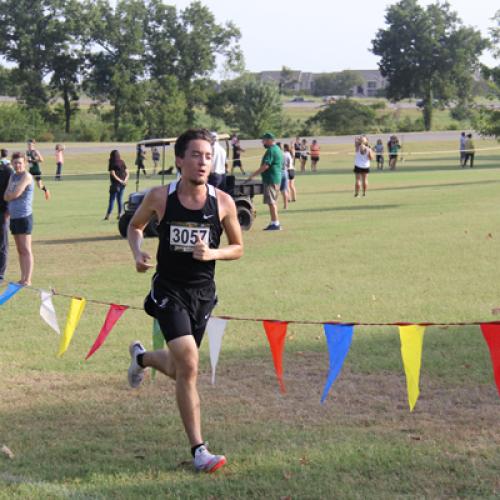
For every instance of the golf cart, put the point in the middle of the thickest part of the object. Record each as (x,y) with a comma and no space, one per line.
(240,190)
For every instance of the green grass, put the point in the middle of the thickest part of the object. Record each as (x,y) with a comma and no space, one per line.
(422,246)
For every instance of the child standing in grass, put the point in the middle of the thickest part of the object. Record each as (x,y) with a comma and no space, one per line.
(59,160)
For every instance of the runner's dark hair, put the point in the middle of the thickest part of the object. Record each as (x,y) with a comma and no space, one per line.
(185,138)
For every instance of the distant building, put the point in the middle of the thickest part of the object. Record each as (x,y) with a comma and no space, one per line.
(373,83)
(299,81)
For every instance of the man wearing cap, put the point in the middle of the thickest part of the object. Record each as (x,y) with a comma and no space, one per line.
(270,171)
(217,177)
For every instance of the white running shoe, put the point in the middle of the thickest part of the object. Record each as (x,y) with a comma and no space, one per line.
(135,372)
(204,461)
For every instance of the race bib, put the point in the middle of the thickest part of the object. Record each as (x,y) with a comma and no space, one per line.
(183,235)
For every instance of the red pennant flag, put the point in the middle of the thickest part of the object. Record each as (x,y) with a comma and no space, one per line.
(491,334)
(114,313)
(276,333)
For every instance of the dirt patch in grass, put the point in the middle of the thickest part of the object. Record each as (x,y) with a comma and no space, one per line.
(248,392)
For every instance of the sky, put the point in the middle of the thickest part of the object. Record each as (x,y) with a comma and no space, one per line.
(322,35)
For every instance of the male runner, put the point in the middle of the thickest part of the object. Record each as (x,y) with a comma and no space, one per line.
(192,216)
(34,159)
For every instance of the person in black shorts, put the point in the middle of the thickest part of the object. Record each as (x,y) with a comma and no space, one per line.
(140,156)
(237,150)
(192,217)
(296,147)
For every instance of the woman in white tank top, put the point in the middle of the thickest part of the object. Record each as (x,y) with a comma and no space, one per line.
(363,155)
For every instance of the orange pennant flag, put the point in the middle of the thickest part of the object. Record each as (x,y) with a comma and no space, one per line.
(276,334)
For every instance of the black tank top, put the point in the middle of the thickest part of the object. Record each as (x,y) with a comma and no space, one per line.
(177,234)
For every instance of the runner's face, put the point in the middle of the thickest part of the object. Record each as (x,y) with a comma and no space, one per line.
(197,161)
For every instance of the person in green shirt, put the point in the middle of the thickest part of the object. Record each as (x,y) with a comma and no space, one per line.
(270,172)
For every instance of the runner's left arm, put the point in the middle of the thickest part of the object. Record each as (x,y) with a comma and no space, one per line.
(234,249)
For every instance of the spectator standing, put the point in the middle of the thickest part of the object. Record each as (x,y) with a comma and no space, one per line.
(393,148)
(155,156)
(139,159)
(469,151)
(59,160)
(303,155)
(34,159)
(237,150)
(462,149)
(5,174)
(379,154)
(315,151)
(118,176)
(270,171)
(285,177)
(19,195)
(292,193)
(296,148)
(217,177)
(363,155)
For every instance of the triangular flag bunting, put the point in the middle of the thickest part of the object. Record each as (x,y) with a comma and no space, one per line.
(75,313)
(215,328)
(47,311)
(114,313)
(158,342)
(338,340)
(412,340)
(491,334)
(10,291)
(276,334)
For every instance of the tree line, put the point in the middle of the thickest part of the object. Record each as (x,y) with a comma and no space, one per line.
(148,60)
(147,67)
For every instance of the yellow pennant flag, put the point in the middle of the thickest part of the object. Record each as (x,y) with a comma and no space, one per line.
(75,313)
(412,340)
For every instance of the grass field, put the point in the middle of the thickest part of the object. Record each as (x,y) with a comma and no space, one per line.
(422,246)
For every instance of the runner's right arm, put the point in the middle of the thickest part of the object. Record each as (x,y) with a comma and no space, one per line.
(135,233)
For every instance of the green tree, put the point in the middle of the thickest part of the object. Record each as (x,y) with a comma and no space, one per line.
(30,34)
(336,83)
(344,117)
(117,59)
(186,45)
(165,111)
(7,86)
(287,80)
(427,52)
(488,122)
(67,58)
(248,105)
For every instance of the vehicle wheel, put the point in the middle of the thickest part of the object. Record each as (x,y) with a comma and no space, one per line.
(245,218)
(123,224)
(151,230)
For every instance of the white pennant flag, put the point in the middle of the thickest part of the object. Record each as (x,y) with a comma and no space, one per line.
(215,329)
(47,311)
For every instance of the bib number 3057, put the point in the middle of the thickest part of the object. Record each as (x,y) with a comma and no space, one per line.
(183,237)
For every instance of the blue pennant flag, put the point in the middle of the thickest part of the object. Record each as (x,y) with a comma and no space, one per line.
(10,291)
(338,339)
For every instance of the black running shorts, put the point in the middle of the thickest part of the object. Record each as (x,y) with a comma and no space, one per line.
(179,310)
